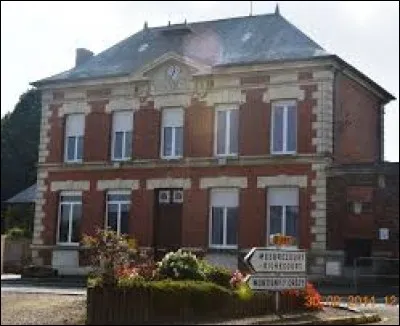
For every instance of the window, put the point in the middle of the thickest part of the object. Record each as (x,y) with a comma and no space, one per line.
(358,207)
(284,128)
(118,203)
(172,133)
(224,218)
(74,130)
(70,215)
(122,135)
(283,212)
(226,131)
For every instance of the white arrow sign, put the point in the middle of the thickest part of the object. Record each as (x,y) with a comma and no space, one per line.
(274,260)
(276,283)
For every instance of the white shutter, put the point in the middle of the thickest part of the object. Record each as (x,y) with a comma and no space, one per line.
(75,125)
(224,197)
(122,121)
(283,197)
(172,117)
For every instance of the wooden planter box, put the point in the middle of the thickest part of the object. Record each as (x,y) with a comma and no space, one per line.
(149,306)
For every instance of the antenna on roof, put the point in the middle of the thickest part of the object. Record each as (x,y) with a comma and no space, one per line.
(145,25)
(251,8)
(277,9)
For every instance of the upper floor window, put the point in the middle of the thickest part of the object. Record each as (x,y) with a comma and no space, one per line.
(172,133)
(74,131)
(122,135)
(224,218)
(70,215)
(284,128)
(226,130)
(117,215)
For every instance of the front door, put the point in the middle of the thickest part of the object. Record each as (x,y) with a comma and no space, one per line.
(167,221)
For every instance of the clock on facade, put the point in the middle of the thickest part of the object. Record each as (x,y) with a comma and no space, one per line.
(173,73)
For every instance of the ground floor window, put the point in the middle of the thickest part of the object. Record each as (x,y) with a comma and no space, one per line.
(117,215)
(70,215)
(283,212)
(224,209)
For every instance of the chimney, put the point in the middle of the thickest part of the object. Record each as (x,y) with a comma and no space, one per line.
(82,55)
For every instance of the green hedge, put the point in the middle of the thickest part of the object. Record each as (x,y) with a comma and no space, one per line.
(171,301)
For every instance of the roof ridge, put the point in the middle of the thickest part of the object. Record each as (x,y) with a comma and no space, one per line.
(303,33)
(212,21)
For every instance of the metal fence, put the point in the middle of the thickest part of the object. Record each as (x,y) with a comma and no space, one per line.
(376,271)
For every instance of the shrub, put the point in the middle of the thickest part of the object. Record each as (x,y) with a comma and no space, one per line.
(141,272)
(308,298)
(109,252)
(215,274)
(16,233)
(180,265)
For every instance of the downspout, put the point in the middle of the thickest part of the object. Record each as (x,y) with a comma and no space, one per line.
(381,133)
(335,91)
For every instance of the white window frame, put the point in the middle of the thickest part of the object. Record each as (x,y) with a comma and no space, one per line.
(124,134)
(119,203)
(72,204)
(225,218)
(285,105)
(228,108)
(283,217)
(76,137)
(173,155)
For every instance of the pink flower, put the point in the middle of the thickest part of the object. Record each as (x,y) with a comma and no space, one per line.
(237,279)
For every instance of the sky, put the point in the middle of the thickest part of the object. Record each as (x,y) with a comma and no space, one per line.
(39,38)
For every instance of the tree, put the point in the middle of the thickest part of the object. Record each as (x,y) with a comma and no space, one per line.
(19,144)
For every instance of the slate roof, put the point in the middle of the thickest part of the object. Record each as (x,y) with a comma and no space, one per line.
(239,40)
(25,196)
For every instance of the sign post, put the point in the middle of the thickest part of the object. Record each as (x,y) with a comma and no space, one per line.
(275,269)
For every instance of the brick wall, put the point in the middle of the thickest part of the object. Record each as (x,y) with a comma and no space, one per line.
(252,216)
(198,130)
(254,124)
(343,224)
(357,134)
(56,134)
(146,142)
(195,218)
(97,131)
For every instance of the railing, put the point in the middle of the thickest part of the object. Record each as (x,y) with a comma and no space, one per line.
(381,269)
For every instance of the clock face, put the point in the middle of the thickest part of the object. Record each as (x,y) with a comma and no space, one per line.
(173,72)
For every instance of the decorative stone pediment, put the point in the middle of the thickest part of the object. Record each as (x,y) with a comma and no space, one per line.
(171,73)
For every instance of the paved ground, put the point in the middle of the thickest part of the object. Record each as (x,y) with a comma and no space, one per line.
(42,309)
(388,313)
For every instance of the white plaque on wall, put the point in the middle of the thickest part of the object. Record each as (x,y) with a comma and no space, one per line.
(383,234)
(333,268)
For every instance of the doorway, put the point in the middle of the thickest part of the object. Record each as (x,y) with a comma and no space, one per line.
(167,221)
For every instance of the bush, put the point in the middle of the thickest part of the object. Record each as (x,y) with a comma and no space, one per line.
(180,265)
(309,298)
(17,233)
(215,274)
(109,252)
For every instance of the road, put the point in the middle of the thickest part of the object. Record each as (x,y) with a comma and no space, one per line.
(388,313)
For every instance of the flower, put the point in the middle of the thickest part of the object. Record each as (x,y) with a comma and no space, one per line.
(237,279)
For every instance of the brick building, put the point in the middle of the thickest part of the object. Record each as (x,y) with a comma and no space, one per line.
(209,136)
